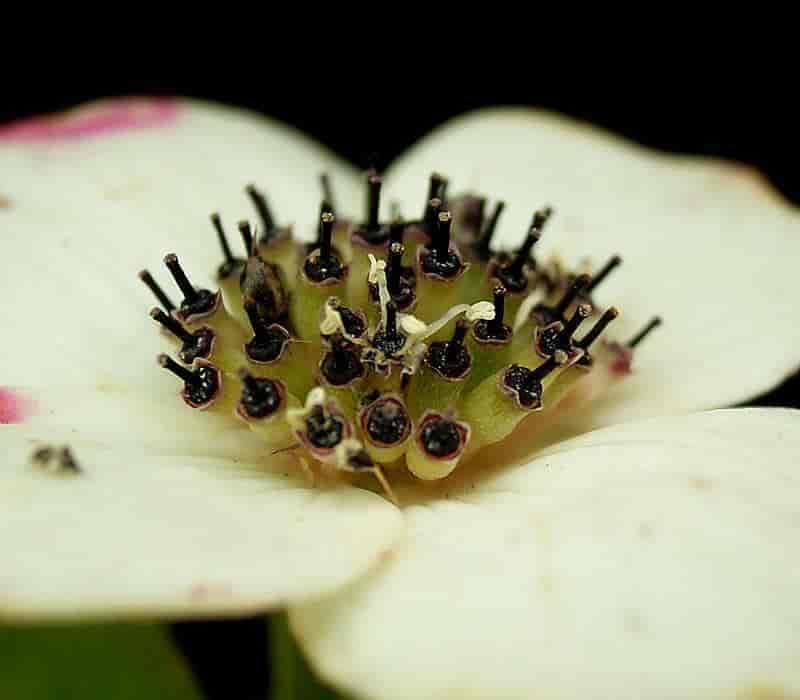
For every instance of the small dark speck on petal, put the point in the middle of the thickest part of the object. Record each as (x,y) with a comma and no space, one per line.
(700,483)
(5,203)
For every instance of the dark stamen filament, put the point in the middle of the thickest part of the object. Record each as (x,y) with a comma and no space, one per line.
(495,325)
(223,239)
(391,320)
(327,193)
(247,236)
(172,325)
(642,334)
(396,231)
(181,372)
(569,296)
(264,213)
(436,187)
(443,234)
(556,360)
(484,245)
(603,273)
(523,252)
(158,293)
(453,351)
(325,237)
(373,201)
(598,328)
(540,217)
(393,267)
(581,314)
(189,292)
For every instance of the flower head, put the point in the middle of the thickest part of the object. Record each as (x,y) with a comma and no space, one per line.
(617,558)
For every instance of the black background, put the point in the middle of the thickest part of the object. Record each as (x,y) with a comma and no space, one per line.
(721,102)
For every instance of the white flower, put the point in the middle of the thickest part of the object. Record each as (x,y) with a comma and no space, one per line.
(648,559)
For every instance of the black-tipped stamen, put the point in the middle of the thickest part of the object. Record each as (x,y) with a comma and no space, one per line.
(596,330)
(440,437)
(341,364)
(450,358)
(324,430)
(325,265)
(386,421)
(394,268)
(642,334)
(484,245)
(440,259)
(602,273)
(247,237)
(261,397)
(262,284)
(195,344)
(513,275)
(495,325)
(329,201)
(541,217)
(195,301)
(578,285)
(262,208)
(200,385)
(230,263)
(582,312)
(526,384)
(397,231)
(374,184)
(388,339)
(269,340)
(158,293)
(391,321)
(436,190)
(190,294)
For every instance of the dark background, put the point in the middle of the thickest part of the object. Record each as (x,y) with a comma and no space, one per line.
(720,103)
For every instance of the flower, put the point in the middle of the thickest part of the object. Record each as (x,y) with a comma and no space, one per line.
(607,565)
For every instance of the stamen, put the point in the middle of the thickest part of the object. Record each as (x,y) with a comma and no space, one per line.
(324,430)
(341,365)
(190,294)
(261,397)
(264,213)
(394,267)
(195,301)
(195,344)
(442,242)
(436,188)
(455,346)
(525,385)
(188,376)
(495,325)
(386,421)
(582,312)
(602,274)
(642,334)
(431,220)
(329,201)
(541,217)
(374,183)
(247,237)
(391,321)
(440,437)
(230,263)
(571,294)
(327,220)
(158,293)
(396,232)
(484,244)
(513,275)
(598,328)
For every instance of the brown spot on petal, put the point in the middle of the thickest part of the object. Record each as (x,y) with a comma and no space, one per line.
(646,531)
(765,692)
(5,203)
(700,483)
(207,591)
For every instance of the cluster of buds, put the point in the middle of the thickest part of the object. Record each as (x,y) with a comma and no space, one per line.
(408,344)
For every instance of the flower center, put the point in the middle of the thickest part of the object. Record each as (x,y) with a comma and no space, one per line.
(404,344)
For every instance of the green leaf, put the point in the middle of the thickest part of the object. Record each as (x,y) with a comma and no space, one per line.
(93,661)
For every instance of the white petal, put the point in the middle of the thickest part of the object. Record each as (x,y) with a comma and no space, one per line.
(707,245)
(647,560)
(84,215)
(204,523)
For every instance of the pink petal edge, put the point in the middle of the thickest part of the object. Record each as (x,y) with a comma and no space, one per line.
(14,407)
(93,119)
